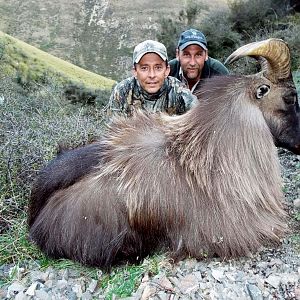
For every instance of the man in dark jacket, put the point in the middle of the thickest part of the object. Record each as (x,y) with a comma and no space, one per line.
(192,63)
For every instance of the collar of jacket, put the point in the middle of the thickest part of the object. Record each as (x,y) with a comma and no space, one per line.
(139,92)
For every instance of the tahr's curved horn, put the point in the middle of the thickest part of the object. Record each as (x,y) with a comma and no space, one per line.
(276,62)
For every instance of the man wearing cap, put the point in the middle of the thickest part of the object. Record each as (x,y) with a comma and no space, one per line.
(192,63)
(150,88)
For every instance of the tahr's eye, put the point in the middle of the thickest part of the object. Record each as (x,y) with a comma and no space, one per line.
(290,97)
(262,91)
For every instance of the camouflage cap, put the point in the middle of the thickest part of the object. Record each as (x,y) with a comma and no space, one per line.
(149,46)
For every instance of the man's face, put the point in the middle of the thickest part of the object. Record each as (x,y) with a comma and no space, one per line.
(151,72)
(192,60)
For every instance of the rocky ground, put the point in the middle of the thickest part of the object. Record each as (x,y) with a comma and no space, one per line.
(273,273)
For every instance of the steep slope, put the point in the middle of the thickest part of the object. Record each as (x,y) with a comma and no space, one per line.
(98,35)
(33,64)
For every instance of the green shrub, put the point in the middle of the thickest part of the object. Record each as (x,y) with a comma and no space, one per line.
(172,28)
(34,120)
(250,17)
(78,93)
(221,38)
(245,21)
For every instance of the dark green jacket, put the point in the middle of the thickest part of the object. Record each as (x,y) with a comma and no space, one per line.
(212,67)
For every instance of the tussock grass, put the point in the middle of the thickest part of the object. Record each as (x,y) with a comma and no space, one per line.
(14,244)
(123,281)
(33,123)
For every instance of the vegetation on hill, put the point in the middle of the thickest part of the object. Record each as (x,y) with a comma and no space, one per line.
(244,21)
(29,64)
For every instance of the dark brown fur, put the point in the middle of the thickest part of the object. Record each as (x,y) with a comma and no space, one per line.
(206,182)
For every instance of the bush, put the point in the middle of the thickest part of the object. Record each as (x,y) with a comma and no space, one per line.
(169,35)
(172,28)
(253,16)
(78,93)
(33,122)
(221,38)
(245,21)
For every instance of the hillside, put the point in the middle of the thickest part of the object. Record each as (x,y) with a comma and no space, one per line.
(33,63)
(98,35)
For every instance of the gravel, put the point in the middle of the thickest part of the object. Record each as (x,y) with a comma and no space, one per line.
(272,273)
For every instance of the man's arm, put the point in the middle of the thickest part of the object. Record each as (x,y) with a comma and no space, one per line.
(118,101)
(182,96)
(217,68)
(114,104)
(174,68)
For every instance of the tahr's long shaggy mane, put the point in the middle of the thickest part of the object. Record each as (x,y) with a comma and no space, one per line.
(203,183)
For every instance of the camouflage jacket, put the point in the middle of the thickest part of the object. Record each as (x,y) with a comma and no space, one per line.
(172,98)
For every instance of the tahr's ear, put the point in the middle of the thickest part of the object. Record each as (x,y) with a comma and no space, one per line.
(262,91)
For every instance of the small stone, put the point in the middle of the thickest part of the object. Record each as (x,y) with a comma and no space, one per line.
(21,296)
(148,292)
(51,274)
(86,296)
(77,289)
(61,284)
(2,293)
(14,289)
(276,262)
(37,275)
(92,286)
(214,295)
(49,283)
(31,290)
(145,278)
(254,292)
(297,293)
(239,276)
(252,280)
(174,281)
(188,284)
(273,280)
(162,295)
(70,295)
(165,283)
(41,294)
(64,274)
(218,275)
(266,294)
(297,203)
(190,264)
(289,278)
(230,277)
